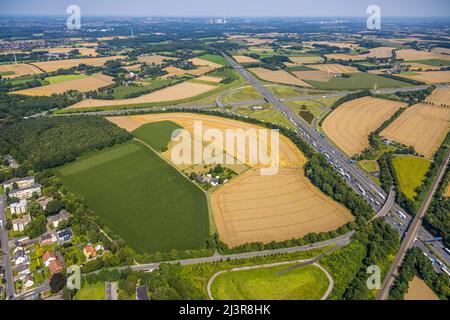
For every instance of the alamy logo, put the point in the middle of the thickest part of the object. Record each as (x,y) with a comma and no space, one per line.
(374,20)
(73,21)
(211,146)
(74,280)
(374,280)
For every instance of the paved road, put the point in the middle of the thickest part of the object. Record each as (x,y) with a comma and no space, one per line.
(276,264)
(355,177)
(412,232)
(387,205)
(340,241)
(5,248)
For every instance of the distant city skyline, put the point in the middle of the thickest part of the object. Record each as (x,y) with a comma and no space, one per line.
(229,8)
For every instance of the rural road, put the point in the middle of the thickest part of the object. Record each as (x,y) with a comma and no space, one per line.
(276,264)
(411,233)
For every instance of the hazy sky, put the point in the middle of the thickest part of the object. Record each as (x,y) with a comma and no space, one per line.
(228,7)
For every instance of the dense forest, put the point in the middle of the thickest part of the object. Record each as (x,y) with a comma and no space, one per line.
(52,141)
(13,106)
(437,219)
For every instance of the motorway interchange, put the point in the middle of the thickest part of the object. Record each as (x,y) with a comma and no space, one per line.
(358,180)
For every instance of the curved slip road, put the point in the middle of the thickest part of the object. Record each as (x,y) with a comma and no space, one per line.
(270,265)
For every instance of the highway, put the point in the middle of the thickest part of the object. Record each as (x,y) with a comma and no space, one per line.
(5,249)
(411,234)
(355,177)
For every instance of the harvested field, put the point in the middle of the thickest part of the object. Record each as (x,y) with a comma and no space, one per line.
(335,68)
(177,92)
(154,59)
(258,208)
(447,191)
(205,63)
(133,67)
(173,71)
(290,155)
(19,70)
(255,207)
(345,57)
(200,71)
(422,126)
(66,50)
(333,44)
(313,75)
(305,59)
(380,52)
(441,50)
(351,123)
(428,76)
(210,79)
(85,84)
(412,54)
(440,96)
(244,59)
(50,66)
(418,290)
(279,76)
(414,66)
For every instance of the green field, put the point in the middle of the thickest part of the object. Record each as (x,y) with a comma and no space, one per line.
(267,114)
(122,91)
(410,172)
(62,78)
(433,62)
(6,73)
(369,165)
(157,135)
(358,81)
(214,58)
(91,291)
(275,283)
(243,94)
(140,197)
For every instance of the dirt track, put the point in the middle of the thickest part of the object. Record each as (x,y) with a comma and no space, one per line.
(351,123)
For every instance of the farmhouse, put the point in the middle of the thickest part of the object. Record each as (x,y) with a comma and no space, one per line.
(20,224)
(19,207)
(48,257)
(26,193)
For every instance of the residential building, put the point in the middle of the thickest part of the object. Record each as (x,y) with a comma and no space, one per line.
(89,251)
(26,193)
(19,207)
(64,235)
(48,257)
(19,183)
(56,266)
(44,201)
(23,269)
(49,238)
(28,281)
(21,223)
(62,215)
(20,257)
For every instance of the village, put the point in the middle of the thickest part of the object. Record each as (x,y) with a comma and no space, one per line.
(41,243)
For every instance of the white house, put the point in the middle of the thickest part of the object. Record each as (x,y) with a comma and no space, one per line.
(21,183)
(19,207)
(55,220)
(28,281)
(20,224)
(26,193)
(20,257)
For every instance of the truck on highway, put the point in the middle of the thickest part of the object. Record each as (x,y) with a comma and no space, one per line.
(447,250)
(401,214)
